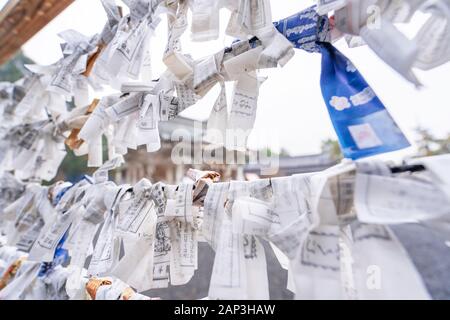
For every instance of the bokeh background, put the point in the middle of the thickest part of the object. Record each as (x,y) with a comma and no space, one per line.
(292,122)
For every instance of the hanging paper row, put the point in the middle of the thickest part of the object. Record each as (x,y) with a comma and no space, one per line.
(36,123)
(330,230)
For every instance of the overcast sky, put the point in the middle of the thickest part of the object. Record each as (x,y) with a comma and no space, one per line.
(291,114)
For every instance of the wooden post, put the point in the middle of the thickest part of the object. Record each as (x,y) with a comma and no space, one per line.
(20,20)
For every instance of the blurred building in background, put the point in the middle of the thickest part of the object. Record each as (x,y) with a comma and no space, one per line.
(295,165)
(161,166)
(165,165)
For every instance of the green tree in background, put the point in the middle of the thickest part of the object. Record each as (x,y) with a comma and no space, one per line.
(14,69)
(269,152)
(429,145)
(332,148)
(73,168)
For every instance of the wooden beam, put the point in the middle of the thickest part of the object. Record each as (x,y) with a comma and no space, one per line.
(20,20)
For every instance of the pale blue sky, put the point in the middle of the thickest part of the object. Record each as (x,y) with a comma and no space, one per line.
(291,113)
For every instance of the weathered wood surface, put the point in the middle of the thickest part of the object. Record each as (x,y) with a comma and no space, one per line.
(22,19)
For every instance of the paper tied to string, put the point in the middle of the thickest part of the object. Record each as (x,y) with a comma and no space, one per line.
(203,181)
(305,29)
(373,22)
(112,289)
(305,217)
(433,38)
(73,141)
(363,124)
(102,174)
(69,79)
(33,150)
(124,48)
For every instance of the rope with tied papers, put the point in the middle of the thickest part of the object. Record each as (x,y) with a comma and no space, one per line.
(316,223)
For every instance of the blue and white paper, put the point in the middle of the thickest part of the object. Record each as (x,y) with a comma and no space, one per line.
(363,125)
(61,255)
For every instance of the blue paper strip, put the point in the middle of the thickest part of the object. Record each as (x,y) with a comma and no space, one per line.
(363,125)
